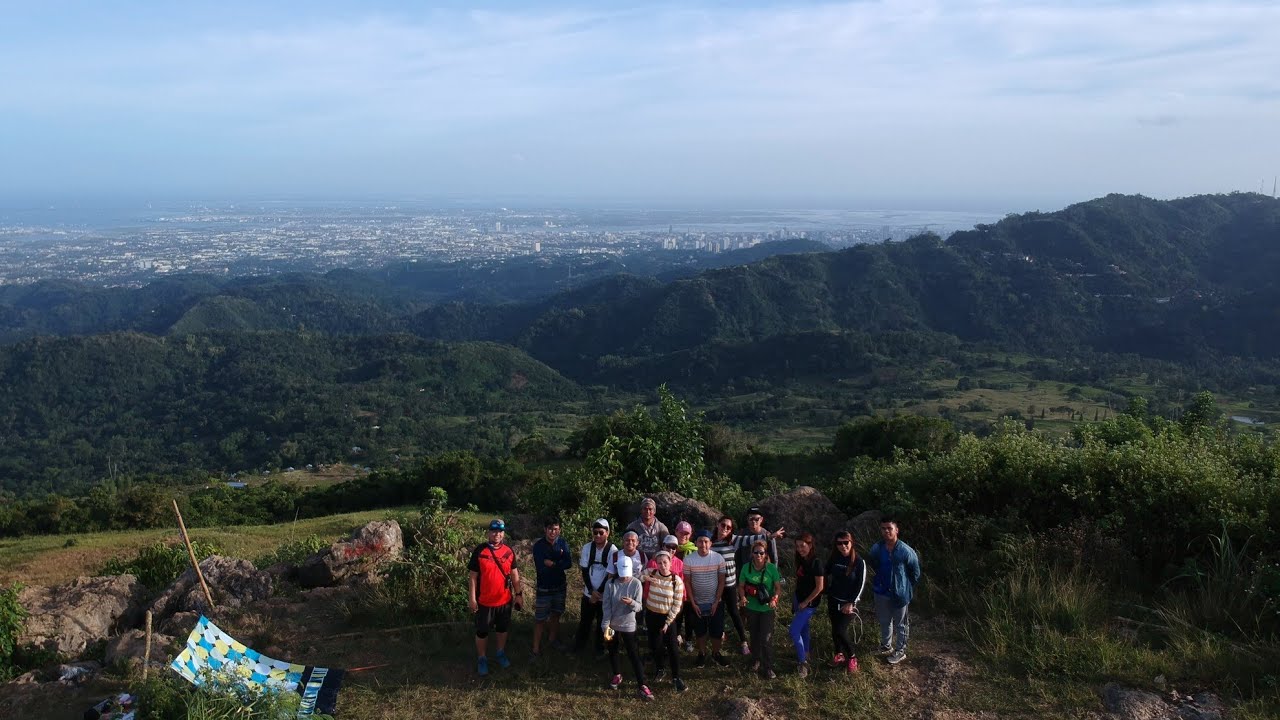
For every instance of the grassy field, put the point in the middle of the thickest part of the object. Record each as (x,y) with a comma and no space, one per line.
(52,559)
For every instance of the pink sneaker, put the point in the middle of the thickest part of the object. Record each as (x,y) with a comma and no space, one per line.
(616,682)
(838,661)
(853,665)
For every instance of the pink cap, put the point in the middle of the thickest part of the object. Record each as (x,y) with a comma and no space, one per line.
(683,526)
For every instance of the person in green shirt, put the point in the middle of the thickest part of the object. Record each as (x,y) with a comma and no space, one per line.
(758,593)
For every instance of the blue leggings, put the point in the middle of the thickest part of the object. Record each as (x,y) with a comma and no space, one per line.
(800,632)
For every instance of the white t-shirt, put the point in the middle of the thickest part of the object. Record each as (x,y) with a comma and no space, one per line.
(596,561)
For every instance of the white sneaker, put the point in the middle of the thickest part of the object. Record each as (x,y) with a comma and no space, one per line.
(897,657)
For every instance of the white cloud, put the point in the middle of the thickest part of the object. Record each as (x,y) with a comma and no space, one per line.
(791,87)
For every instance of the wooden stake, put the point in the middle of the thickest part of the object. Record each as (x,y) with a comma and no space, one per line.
(195,564)
(146,654)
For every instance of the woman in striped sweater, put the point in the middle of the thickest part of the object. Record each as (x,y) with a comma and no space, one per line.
(662,607)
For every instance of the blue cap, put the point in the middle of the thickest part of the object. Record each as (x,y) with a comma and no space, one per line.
(497,524)
(703,533)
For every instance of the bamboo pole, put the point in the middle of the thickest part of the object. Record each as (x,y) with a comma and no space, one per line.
(195,564)
(146,654)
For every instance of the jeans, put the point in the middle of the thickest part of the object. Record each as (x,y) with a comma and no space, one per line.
(628,640)
(760,625)
(800,636)
(662,646)
(840,633)
(892,618)
(589,624)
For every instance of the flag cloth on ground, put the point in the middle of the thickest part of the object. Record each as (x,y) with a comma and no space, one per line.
(210,652)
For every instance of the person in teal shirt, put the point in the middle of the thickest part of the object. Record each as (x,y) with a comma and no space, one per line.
(758,592)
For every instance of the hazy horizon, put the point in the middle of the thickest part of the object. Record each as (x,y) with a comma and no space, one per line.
(907,104)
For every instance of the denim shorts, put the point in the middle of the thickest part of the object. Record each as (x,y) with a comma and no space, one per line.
(708,624)
(548,603)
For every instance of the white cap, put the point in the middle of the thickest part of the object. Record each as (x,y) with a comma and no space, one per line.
(600,523)
(624,566)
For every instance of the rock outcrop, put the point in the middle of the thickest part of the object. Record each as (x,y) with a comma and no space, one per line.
(805,509)
(368,547)
(67,618)
(672,508)
(232,582)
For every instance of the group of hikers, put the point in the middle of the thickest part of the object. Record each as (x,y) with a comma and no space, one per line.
(677,588)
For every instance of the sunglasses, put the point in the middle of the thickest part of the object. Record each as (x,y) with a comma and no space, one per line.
(842,543)
(759,552)
(726,525)
(599,532)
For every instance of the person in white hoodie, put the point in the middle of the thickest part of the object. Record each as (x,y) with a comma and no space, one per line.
(622,598)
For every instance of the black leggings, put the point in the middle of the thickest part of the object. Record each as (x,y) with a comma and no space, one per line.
(840,632)
(761,626)
(662,646)
(589,622)
(730,602)
(633,653)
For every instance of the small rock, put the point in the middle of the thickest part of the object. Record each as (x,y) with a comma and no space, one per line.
(78,673)
(1131,704)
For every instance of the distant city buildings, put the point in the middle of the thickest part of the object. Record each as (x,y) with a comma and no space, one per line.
(244,241)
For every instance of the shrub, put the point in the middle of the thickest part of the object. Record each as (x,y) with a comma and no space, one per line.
(158,565)
(293,552)
(13,618)
(429,581)
(167,697)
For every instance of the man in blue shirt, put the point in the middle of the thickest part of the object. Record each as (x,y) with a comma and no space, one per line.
(897,570)
(551,558)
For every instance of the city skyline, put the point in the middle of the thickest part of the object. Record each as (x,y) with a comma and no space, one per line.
(1011,106)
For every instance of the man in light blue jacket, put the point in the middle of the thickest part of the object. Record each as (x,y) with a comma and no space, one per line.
(897,569)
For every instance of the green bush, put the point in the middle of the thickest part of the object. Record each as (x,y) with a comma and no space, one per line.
(429,581)
(158,565)
(13,618)
(166,697)
(293,552)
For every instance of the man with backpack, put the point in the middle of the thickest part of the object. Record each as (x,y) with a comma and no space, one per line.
(594,563)
(493,587)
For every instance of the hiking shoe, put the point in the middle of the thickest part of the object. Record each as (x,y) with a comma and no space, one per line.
(503,662)
(804,670)
(616,682)
(482,666)
(838,661)
(769,674)
(557,645)
(853,665)
(884,651)
(897,657)
(535,655)
(659,675)
(720,660)
(679,685)
(701,662)
(755,666)
(688,646)
(746,649)
(644,693)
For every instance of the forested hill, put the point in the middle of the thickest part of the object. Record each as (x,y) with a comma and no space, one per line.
(76,410)
(1168,279)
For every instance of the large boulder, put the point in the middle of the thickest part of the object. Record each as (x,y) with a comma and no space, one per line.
(805,509)
(67,618)
(672,508)
(368,547)
(232,583)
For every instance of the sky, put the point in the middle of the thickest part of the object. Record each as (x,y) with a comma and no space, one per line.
(1015,105)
